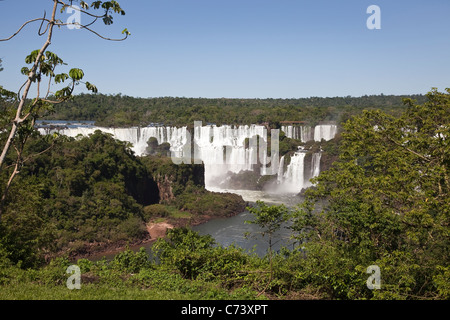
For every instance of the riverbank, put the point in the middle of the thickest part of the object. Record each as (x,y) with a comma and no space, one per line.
(156,228)
(167,217)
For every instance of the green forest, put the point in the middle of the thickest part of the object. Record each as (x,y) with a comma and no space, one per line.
(93,192)
(119,111)
(386,198)
(375,224)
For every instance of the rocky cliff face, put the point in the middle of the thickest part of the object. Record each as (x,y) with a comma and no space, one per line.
(172,179)
(183,186)
(165,188)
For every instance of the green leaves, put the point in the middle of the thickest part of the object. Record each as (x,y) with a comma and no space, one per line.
(84,5)
(49,57)
(108,20)
(46,66)
(61,77)
(31,58)
(53,59)
(25,71)
(96,4)
(76,74)
(108,6)
(195,256)
(64,93)
(91,87)
(114,6)
(388,193)
(6,94)
(269,218)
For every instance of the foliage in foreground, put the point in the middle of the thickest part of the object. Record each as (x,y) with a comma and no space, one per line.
(79,191)
(387,204)
(384,202)
(131,275)
(79,195)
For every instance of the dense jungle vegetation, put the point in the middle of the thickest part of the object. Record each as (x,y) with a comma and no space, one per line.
(84,195)
(382,202)
(386,204)
(118,110)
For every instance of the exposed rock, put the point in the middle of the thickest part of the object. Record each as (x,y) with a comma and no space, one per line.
(165,188)
(158,230)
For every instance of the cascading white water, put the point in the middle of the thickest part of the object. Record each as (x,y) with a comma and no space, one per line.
(138,137)
(325,131)
(307,133)
(221,149)
(293,178)
(315,165)
(280,171)
(302,133)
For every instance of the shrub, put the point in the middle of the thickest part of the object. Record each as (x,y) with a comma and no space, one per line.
(155,210)
(131,262)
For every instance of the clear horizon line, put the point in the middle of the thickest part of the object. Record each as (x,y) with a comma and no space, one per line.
(253,98)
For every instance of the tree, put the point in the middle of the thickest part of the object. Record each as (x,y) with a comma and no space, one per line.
(270,220)
(385,200)
(153,148)
(23,111)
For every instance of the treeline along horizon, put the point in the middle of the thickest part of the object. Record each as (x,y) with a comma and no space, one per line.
(122,111)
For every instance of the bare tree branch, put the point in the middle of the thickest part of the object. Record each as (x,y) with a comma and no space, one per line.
(32,73)
(18,31)
(84,11)
(44,64)
(40,27)
(94,32)
(409,150)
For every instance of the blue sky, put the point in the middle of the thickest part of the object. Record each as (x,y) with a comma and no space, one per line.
(246,48)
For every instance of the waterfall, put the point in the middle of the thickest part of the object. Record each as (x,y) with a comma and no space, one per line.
(325,131)
(315,165)
(296,178)
(280,170)
(138,137)
(293,179)
(307,133)
(222,149)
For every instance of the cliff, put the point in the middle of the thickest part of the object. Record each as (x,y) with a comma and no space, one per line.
(172,178)
(183,187)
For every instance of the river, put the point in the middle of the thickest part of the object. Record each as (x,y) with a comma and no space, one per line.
(213,140)
(224,230)
(227,231)
(233,230)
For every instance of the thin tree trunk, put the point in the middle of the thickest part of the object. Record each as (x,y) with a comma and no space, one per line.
(18,119)
(270,266)
(5,192)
